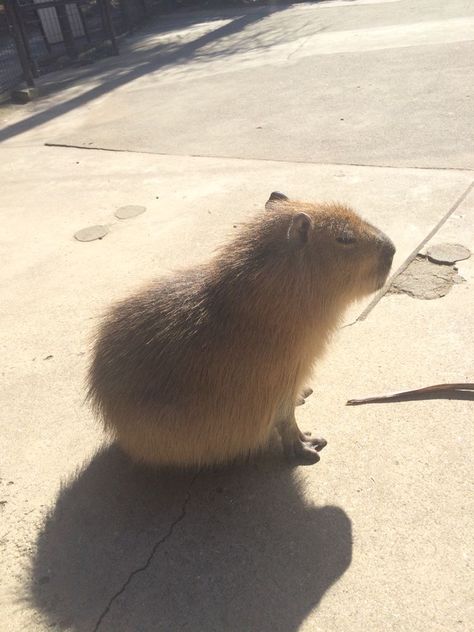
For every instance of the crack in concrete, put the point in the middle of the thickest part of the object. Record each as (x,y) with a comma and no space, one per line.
(304,40)
(426,280)
(245,159)
(298,48)
(152,554)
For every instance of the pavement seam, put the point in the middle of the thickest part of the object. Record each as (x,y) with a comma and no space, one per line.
(276,160)
(303,41)
(152,554)
(412,256)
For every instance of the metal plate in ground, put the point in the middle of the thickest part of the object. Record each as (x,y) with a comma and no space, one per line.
(448,253)
(126,212)
(91,233)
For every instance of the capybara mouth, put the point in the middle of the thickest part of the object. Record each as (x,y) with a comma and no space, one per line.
(386,259)
(383,273)
(380,283)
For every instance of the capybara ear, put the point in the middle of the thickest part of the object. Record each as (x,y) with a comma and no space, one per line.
(275,198)
(299,229)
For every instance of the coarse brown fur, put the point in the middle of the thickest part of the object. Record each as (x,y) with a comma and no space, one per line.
(200,367)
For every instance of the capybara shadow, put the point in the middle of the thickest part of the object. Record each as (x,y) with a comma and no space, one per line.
(237,549)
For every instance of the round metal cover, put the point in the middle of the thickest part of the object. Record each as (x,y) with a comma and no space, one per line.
(125,212)
(91,233)
(447,253)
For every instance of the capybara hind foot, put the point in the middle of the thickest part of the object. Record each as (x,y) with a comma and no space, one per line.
(297,445)
(302,452)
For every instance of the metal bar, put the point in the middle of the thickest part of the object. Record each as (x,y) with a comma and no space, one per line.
(66,31)
(20,43)
(83,22)
(109,25)
(126,15)
(48,4)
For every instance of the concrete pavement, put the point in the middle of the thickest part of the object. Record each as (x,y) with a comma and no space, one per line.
(378,535)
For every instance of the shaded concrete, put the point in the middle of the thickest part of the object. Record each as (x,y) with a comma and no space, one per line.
(301,85)
(363,83)
(236,541)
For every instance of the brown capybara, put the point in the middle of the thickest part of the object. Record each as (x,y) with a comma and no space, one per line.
(199,368)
